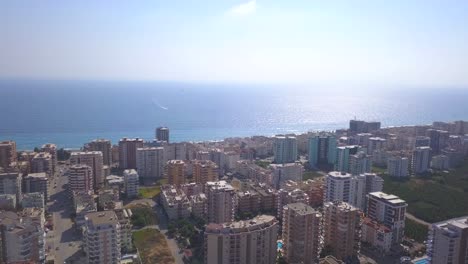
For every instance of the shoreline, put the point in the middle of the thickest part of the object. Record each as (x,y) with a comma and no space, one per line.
(84,138)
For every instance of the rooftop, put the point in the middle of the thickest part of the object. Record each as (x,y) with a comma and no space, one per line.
(301,208)
(257,223)
(102,218)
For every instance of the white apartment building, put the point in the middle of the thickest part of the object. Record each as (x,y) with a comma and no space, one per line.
(285,149)
(286,172)
(23,238)
(389,210)
(150,162)
(345,187)
(447,241)
(125,220)
(398,166)
(131,183)
(421,160)
(250,241)
(102,237)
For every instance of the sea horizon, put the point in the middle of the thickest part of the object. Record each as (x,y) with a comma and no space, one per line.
(72,113)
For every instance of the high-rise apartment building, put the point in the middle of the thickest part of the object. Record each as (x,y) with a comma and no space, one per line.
(22,238)
(389,210)
(359,126)
(205,171)
(162,134)
(250,241)
(36,182)
(285,149)
(220,202)
(286,172)
(52,150)
(131,183)
(438,139)
(42,162)
(92,159)
(448,241)
(342,229)
(344,187)
(10,183)
(343,157)
(359,163)
(302,230)
(175,202)
(80,178)
(125,221)
(175,172)
(102,237)
(398,166)
(322,150)
(7,153)
(150,163)
(103,145)
(422,141)
(421,160)
(376,143)
(127,152)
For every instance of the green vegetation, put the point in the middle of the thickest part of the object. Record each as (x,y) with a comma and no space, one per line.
(143,216)
(435,197)
(311,175)
(189,234)
(152,246)
(379,170)
(415,230)
(149,192)
(263,163)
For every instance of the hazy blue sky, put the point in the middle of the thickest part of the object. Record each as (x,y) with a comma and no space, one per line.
(406,42)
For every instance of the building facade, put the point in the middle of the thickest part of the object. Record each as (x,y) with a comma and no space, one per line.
(220,202)
(102,237)
(94,160)
(302,228)
(250,241)
(127,152)
(285,149)
(342,229)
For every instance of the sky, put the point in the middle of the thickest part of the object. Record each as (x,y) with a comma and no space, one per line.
(401,42)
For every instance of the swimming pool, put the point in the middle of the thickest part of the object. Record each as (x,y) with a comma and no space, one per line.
(422,261)
(280,245)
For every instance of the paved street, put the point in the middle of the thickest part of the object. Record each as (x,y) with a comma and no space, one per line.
(64,241)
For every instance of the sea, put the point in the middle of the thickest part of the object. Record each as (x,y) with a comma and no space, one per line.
(71,113)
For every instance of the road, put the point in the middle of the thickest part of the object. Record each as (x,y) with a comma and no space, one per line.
(64,240)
